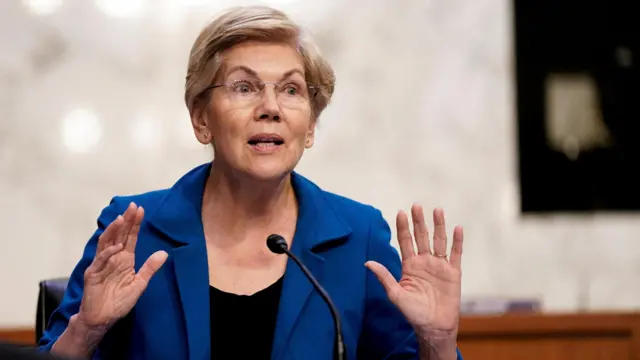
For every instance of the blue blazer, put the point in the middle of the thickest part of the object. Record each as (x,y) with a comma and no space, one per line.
(334,237)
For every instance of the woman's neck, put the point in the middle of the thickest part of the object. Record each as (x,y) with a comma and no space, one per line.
(236,204)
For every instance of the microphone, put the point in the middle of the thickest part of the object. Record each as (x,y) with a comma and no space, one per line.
(278,245)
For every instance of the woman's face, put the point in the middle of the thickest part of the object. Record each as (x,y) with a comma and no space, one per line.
(259,120)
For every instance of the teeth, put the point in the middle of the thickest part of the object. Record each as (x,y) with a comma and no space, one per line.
(265,144)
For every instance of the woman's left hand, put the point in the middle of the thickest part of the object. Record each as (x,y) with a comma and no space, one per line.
(428,294)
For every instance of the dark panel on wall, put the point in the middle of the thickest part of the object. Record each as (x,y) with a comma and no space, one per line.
(577,82)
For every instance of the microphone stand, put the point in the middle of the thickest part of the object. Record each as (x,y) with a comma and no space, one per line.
(277,244)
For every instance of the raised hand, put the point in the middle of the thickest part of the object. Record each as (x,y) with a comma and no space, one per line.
(111,285)
(428,294)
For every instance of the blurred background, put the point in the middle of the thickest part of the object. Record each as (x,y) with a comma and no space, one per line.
(518,118)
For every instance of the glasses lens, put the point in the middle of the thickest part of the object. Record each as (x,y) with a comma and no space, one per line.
(291,92)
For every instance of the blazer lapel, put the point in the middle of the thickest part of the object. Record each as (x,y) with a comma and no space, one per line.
(192,276)
(295,293)
(180,220)
(317,225)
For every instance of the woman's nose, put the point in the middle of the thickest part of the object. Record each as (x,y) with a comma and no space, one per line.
(269,106)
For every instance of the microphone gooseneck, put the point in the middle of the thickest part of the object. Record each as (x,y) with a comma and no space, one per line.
(278,245)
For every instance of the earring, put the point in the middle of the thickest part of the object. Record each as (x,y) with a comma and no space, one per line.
(206,136)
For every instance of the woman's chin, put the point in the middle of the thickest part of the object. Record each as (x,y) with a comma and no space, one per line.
(276,172)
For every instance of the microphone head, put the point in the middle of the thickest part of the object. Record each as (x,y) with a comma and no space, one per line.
(277,244)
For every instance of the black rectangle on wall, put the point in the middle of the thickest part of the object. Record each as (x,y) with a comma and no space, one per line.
(578,98)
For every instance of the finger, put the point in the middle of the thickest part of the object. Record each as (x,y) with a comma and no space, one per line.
(420,231)
(404,235)
(129,216)
(132,239)
(439,233)
(108,236)
(103,257)
(456,248)
(151,266)
(391,286)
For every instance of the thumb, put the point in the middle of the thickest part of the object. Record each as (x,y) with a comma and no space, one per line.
(153,264)
(387,280)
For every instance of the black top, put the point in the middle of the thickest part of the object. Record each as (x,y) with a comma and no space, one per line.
(242,326)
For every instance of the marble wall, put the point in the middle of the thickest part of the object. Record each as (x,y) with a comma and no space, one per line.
(91,106)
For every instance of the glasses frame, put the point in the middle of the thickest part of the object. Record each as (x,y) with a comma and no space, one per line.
(312,89)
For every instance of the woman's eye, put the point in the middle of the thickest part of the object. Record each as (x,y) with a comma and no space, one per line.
(242,87)
(291,89)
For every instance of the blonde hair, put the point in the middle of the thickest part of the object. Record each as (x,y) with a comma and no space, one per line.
(257,23)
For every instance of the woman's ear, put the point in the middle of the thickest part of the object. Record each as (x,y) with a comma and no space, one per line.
(310,136)
(200,122)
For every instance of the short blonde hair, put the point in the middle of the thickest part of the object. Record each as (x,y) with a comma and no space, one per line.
(254,23)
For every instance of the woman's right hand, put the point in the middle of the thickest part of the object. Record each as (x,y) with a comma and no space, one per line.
(111,285)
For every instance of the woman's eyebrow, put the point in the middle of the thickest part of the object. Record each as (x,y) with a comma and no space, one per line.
(255,74)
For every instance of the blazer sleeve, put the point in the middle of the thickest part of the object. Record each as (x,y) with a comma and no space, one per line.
(386,334)
(70,304)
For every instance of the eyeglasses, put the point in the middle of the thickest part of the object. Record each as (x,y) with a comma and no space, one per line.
(289,93)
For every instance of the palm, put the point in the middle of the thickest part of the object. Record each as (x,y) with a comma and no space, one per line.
(111,285)
(428,293)
(112,296)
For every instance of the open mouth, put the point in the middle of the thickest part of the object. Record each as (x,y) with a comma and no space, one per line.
(265,141)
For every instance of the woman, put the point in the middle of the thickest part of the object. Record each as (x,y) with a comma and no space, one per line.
(195,280)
